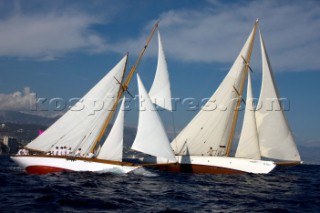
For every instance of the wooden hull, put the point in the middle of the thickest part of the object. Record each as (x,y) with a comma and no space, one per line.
(197,169)
(217,165)
(287,165)
(51,164)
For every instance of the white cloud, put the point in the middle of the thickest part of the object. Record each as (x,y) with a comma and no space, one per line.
(46,36)
(213,33)
(19,101)
(217,32)
(26,102)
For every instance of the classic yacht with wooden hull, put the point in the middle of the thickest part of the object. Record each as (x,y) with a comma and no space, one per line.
(203,146)
(81,129)
(217,165)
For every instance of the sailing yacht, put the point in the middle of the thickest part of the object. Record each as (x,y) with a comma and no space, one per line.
(83,125)
(203,146)
(78,129)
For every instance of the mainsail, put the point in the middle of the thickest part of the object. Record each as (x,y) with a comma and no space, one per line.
(275,138)
(151,137)
(209,131)
(160,92)
(113,146)
(248,146)
(81,124)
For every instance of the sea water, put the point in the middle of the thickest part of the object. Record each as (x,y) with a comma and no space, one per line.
(292,190)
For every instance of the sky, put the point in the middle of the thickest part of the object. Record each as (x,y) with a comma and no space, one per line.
(62,48)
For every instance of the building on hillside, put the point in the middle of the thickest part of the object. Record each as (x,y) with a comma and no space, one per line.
(9,144)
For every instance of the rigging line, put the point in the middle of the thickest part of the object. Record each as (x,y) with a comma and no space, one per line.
(235,117)
(247,63)
(239,96)
(110,115)
(126,83)
(133,69)
(182,148)
(123,88)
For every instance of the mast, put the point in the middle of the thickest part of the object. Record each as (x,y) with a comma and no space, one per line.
(246,61)
(133,69)
(104,127)
(123,87)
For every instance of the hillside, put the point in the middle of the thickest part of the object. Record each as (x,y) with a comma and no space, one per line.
(24,118)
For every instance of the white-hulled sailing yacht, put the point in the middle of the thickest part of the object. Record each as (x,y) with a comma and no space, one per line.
(82,127)
(203,146)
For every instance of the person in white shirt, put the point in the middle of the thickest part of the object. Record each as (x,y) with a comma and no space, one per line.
(90,155)
(65,151)
(78,153)
(60,151)
(25,152)
(56,151)
(70,152)
(20,152)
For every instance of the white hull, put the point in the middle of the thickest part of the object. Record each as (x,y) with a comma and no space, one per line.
(218,165)
(49,164)
(241,164)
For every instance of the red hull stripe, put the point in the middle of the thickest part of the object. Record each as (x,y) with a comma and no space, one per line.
(41,170)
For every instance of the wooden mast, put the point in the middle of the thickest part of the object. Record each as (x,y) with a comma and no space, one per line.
(133,69)
(114,106)
(123,87)
(246,61)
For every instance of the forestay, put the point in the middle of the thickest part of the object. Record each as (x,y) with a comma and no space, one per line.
(160,92)
(151,137)
(275,138)
(112,149)
(81,124)
(209,131)
(248,146)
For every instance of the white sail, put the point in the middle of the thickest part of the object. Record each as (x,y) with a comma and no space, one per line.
(275,138)
(151,137)
(113,145)
(248,146)
(209,131)
(160,92)
(81,124)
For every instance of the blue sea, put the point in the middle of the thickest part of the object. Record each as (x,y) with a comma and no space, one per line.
(292,190)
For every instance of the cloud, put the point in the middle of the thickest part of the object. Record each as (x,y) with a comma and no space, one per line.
(46,36)
(19,101)
(213,32)
(216,33)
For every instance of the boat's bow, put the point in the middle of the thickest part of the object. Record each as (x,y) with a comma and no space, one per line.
(50,164)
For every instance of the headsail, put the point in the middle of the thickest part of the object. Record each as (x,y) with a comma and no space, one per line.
(275,138)
(151,137)
(248,146)
(210,128)
(113,146)
(81,124)
(160,92)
